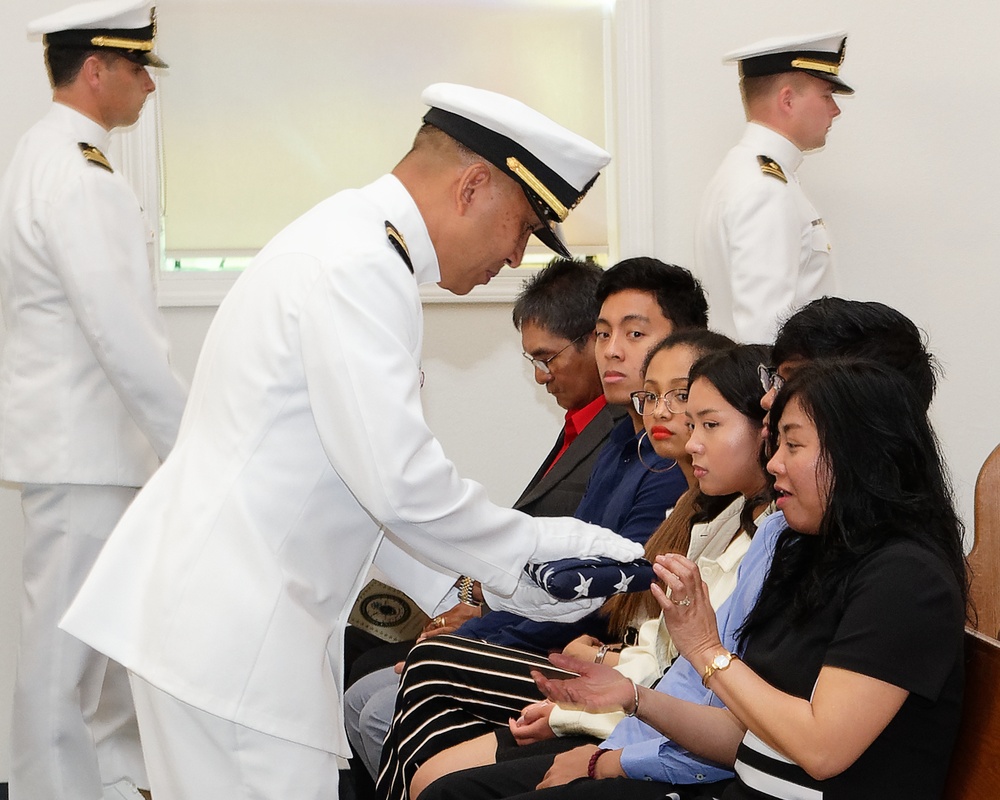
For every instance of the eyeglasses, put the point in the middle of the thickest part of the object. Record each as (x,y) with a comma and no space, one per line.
(542,365)
(769,378)
(675,400)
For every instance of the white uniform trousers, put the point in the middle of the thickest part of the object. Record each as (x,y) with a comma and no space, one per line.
(73,727)
(194,755)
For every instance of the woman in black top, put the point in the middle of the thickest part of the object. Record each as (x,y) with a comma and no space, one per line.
(849,679)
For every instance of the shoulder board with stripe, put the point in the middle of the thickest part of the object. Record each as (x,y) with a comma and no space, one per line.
(771,167)
(398,244)
(95,156)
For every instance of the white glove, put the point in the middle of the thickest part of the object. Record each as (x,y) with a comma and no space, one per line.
(532,601)
(564,537)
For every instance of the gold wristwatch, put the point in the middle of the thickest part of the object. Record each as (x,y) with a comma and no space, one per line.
(465,595)
(717,664)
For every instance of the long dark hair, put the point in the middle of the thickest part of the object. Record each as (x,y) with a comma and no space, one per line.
(887,481)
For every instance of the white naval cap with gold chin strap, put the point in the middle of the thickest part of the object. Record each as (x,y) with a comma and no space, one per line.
(819,55)
(554,166)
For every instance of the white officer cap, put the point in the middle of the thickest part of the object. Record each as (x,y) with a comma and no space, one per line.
(127,27)
(820,55)
(554,166)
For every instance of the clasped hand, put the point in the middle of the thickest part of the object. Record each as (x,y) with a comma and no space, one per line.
(533,724)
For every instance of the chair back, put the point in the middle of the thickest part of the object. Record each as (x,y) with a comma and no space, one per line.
(974,773)
(984,560)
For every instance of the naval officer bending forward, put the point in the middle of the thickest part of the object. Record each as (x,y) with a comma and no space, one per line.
(226,586)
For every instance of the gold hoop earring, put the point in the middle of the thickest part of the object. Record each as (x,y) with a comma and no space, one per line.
(649,468)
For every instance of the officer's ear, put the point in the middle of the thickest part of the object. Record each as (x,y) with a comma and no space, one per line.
(96,67)
(472,185)
(91,69)
(785,97)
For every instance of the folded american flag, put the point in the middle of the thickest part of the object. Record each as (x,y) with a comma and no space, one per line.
(573,578)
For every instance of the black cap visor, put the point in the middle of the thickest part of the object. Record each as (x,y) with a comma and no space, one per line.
(549,234)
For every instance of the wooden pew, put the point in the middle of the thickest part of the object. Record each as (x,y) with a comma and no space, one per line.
(975,765)
(984,559)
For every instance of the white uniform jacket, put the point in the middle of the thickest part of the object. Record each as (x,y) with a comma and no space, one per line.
(761,249)
(86,391)
(228,582)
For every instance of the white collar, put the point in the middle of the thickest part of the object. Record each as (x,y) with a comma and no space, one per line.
(403,214)
(83,128)
(768,142)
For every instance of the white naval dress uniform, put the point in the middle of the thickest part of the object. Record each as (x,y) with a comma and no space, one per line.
(88,406)
(761,249)
(229,581)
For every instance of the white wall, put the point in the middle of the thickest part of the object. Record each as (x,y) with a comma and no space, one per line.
(906,184)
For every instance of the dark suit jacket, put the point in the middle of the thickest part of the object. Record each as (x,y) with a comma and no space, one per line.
(558,492)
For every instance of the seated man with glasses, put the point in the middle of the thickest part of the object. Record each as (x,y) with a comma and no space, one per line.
(555,314)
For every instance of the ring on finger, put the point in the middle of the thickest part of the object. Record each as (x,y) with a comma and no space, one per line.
(685,602)
(440,623)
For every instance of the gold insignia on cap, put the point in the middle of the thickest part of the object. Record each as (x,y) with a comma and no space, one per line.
(771,167)
(816,66)
(95,156)
(538,188)
(122,44)
(819,65)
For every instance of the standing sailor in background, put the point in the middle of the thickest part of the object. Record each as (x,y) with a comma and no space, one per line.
(227,584)
(761,248)
(88,403)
